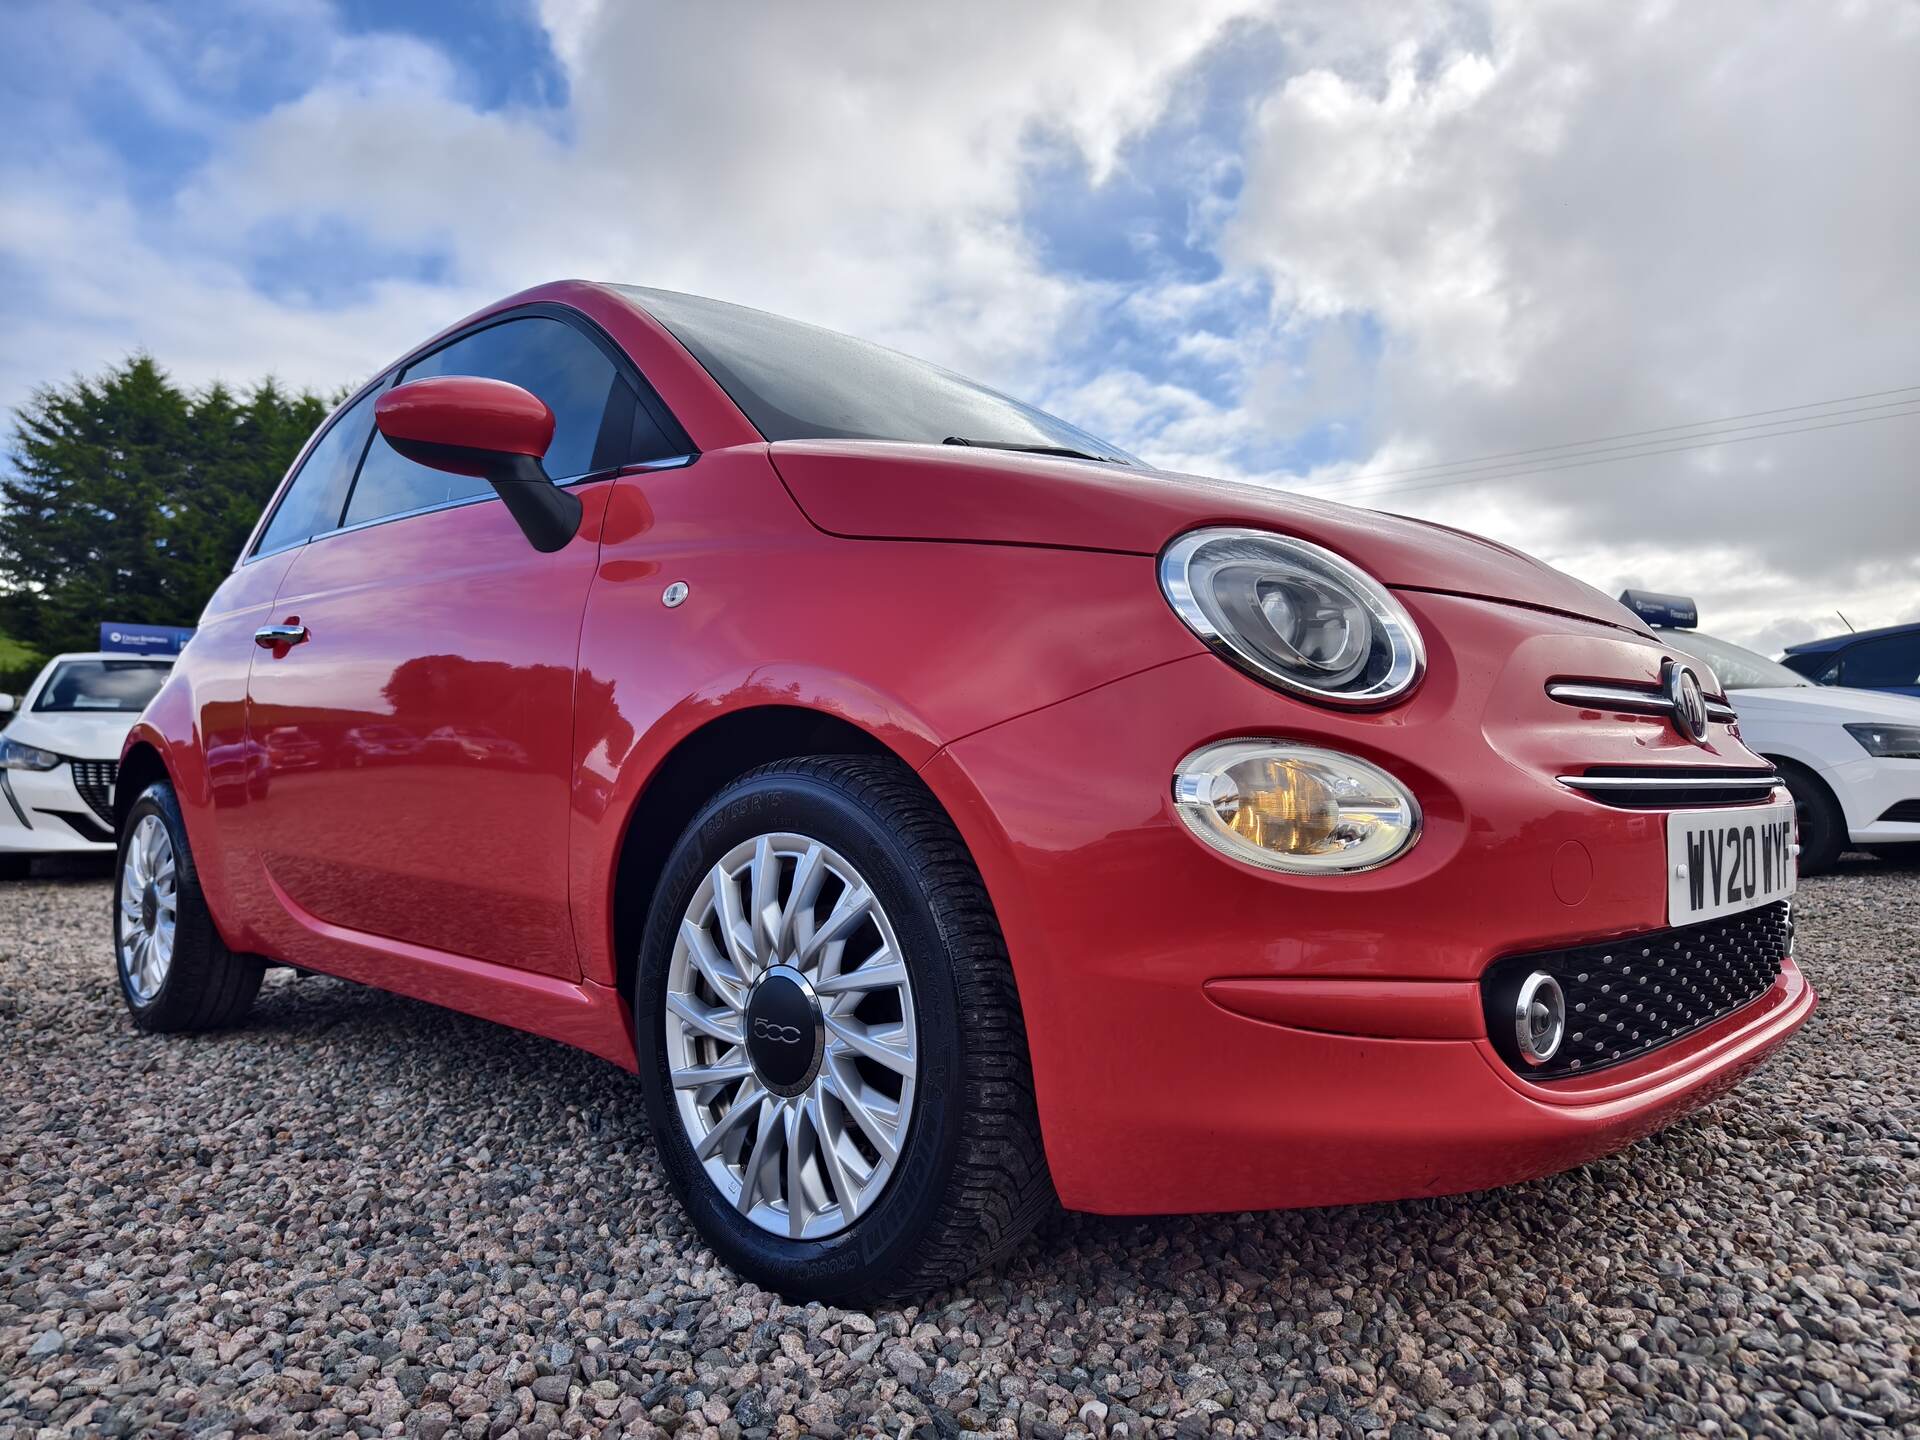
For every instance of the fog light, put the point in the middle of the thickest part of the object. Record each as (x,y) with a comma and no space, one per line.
(1539,1018)
(1293,807)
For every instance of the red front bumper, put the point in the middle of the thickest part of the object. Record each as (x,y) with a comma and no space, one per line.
(1144,958)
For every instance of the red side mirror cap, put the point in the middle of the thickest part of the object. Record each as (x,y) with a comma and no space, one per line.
(463,423)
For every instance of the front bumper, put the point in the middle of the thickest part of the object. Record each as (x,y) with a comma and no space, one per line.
(1874,794)
(42,812)
(1206,1036)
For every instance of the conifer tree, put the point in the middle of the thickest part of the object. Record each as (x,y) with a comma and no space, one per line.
(129,498)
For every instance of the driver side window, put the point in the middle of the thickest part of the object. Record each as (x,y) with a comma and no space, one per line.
(1882,664)
(547,357)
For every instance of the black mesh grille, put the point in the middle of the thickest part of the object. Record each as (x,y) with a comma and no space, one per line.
(94,780)
(1627,997)
(1906,812)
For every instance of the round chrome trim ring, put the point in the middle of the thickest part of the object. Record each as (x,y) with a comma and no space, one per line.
(1688,700)
(1188,793)
(1539,1042)
(1409,662)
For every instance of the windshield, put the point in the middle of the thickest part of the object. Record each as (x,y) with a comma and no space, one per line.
(1738,668)
(799,382)
(104,685)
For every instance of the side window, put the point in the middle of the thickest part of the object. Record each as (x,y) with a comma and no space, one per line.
(311,504)
(553,360)
(1882,664)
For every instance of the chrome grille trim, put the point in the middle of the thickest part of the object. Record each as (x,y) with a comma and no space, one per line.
(1732,780)
(1673,787)
(1598,695)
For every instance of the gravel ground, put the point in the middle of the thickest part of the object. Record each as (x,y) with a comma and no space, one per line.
(362,1215)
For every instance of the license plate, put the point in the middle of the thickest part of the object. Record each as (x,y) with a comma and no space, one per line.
(1720,862)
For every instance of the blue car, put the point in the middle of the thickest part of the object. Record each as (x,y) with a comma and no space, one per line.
(1887,659)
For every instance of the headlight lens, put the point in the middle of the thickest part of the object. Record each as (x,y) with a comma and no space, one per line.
(1293,614)
(15,756)
(1294,808)
(1888,742)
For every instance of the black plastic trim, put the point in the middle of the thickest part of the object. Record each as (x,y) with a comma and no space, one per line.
(1628,997)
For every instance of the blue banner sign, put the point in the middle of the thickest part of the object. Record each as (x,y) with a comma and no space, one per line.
(144,639)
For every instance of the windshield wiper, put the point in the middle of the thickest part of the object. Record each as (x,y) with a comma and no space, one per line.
(1015,445)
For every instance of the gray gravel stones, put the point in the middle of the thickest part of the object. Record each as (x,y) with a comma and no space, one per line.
(358,1215)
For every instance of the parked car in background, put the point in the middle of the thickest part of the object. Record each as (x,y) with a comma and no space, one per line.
(1850,757)
(941,810)
(60,752)
(1885,659)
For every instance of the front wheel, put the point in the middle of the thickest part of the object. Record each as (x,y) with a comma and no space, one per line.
(175,971)
(832,1049)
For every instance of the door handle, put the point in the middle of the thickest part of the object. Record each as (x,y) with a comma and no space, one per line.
(278,637)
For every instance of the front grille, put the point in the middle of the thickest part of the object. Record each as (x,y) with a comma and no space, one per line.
(1672,787)
(1630,698)
(1628,997)
(94,780)
(1907,812)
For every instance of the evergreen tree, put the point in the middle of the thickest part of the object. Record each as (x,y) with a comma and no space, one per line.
(129,498)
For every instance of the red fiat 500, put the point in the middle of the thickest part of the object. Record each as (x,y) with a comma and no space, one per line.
(939,809)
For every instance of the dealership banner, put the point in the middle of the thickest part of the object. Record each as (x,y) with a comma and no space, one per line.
(144,639)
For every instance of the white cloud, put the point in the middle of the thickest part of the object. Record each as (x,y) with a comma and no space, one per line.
(1443,229)
(1577,220)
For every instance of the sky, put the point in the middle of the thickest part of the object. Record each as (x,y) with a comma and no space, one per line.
(1657,260)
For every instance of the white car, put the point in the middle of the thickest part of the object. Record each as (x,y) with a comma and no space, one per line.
(1850,757)
(60,753)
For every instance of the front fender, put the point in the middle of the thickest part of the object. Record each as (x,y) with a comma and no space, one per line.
(916,644)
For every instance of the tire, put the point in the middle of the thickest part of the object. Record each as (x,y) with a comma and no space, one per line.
(969,1180)
(15,867)
(201,985)
(1823,828)
(1903,855)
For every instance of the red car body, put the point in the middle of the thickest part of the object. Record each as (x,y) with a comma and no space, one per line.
(1204,1035)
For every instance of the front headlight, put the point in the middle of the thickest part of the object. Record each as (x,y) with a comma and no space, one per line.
(1888,742)
(15,756)
(1295,808)
(1294,615)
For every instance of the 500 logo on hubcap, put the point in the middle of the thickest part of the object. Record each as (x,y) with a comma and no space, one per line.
(764,1029)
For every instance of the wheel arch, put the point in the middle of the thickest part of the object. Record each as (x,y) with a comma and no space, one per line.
(691,773)
(1784,763)
(140,765)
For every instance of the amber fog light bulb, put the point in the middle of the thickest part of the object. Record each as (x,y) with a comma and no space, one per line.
(1298,808)
(1280,806)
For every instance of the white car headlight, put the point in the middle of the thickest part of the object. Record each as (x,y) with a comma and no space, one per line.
(1888,742)
(1294,808)
(1294,615)
(15,756)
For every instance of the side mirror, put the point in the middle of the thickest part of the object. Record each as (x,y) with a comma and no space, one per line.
(7,702)
(499,432)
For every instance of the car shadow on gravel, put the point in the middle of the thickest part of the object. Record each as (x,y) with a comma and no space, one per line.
(454,1061)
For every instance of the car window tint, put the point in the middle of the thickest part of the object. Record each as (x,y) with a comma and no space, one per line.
(311,504)
(799,382)
(1876,664)
(551,359)
(121,686)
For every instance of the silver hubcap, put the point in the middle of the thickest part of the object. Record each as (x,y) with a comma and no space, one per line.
(790,1036)
(148,908)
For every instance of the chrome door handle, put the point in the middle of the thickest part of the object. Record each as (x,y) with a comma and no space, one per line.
(273,637)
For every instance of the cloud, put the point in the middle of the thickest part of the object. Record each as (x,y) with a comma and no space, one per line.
(1573,221)
(1288,242)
